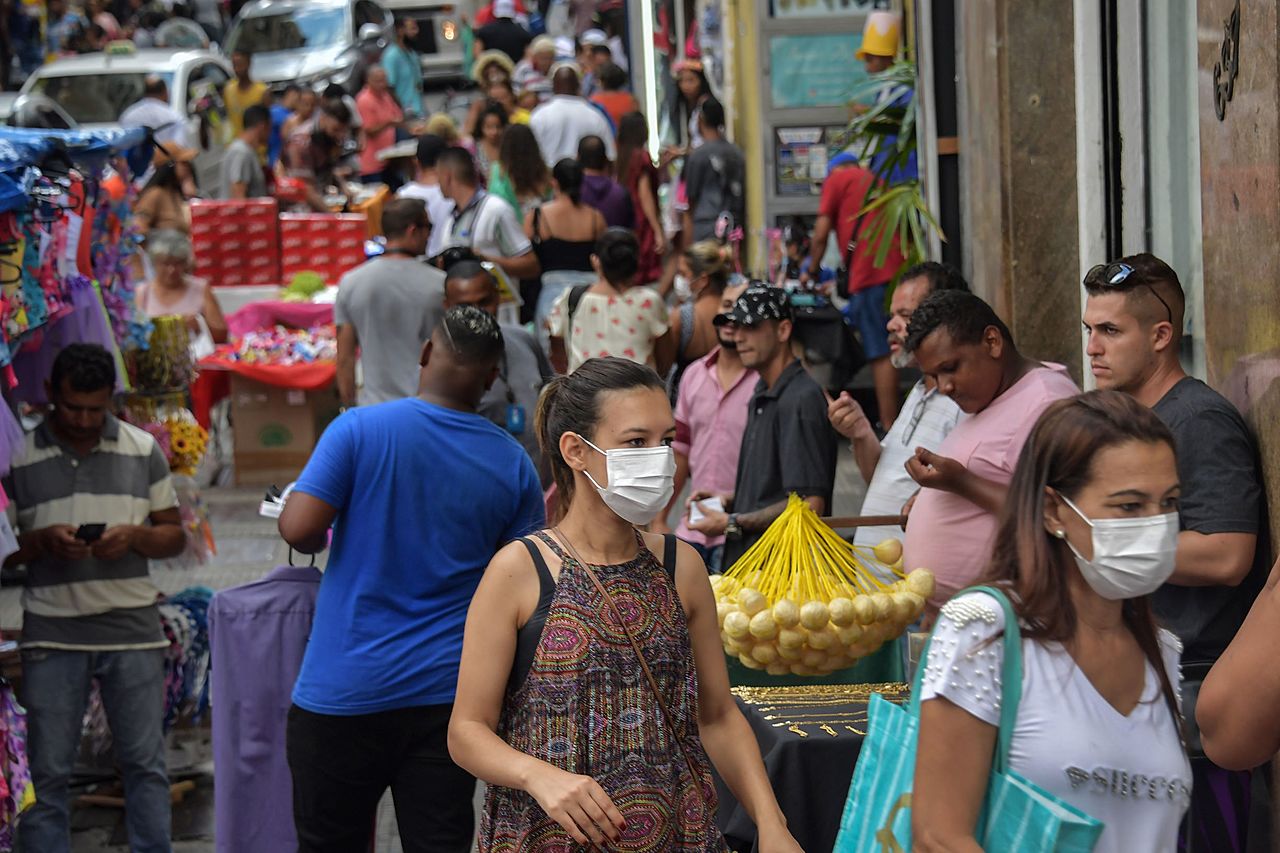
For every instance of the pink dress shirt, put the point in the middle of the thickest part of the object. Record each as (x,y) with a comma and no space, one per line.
(948,534)
(709,426)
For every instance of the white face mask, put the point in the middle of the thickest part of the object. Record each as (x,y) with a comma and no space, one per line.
(684,288)
(641,481)
(1132,557)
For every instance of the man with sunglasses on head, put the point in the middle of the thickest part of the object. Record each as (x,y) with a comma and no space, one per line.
(927,417)
(1134,322)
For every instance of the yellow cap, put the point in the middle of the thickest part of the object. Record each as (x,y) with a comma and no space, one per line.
(880,35)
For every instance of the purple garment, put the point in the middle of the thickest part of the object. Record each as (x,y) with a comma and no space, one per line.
(85,323)
(258,633)
(611,199)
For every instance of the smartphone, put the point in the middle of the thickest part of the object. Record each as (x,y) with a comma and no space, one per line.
(712,503)
(90,532)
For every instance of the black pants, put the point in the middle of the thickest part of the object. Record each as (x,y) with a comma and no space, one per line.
(341,766)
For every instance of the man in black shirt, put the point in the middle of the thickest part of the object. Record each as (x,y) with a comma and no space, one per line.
(788,445)
(503,33)
(1134,318)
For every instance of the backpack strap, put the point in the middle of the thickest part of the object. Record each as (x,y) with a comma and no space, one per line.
(575,298)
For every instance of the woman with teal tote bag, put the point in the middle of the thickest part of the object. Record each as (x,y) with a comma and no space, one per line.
(1044,718)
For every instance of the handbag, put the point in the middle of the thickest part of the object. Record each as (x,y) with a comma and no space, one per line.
(1017,815)
(668,557)
(846,262)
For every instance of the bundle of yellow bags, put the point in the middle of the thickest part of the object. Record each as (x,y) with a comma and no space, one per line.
(806,602)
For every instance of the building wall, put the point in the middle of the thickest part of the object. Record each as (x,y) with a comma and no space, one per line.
(1240,204)
(1017,138)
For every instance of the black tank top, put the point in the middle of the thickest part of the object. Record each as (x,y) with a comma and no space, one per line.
(557,255)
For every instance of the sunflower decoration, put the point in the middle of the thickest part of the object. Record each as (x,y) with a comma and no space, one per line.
(187,442)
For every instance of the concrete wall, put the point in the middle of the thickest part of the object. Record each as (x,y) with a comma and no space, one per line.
(1017,138)
(1240,203)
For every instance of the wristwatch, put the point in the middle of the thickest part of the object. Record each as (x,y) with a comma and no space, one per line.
(733,530)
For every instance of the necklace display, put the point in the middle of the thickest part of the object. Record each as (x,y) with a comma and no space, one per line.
(795,708)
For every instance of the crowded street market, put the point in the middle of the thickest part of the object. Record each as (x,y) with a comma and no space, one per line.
(639,425)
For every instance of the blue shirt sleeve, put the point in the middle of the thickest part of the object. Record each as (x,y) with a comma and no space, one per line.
(329,473)
(531,508)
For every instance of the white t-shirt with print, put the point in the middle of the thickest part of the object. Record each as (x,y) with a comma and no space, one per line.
(1130,772)
(489,227)
(624,326)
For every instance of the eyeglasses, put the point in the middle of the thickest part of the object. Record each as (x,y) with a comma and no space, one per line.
(917,415)
(1113,274)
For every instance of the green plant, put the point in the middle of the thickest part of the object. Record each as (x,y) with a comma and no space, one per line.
(885,136)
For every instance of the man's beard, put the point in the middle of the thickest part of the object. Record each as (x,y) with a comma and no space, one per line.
(729,345)
(901,359)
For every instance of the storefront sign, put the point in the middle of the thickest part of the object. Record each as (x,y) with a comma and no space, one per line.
(1226,68)
(813,70)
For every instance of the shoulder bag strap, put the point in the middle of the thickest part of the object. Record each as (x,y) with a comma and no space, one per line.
(852,245)
(1010,675)
(536,239)
(644,665)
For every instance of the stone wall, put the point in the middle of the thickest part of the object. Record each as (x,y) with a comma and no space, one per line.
(1240,202)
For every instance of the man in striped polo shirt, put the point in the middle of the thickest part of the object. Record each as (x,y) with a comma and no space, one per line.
(89,606)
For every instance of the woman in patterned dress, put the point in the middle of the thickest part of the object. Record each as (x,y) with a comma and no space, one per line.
(554,709)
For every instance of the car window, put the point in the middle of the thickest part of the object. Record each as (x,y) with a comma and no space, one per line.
(204,76)
(95,98)
(289,30)
(367,13)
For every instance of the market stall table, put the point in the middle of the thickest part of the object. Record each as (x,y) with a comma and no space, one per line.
(810,738)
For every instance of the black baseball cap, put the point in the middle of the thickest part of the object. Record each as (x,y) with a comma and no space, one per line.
(758,303)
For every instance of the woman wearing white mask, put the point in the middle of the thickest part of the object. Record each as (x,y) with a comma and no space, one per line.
(702,273)
(593,687)
(1089,530)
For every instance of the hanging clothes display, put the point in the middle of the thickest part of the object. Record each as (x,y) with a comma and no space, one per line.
(253,800)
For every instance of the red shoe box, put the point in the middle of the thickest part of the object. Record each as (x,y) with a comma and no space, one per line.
(326,243)
(236,241)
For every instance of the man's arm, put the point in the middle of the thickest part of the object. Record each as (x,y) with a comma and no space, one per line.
(821,233)
(347,345)
(305,522)
(762,518)
(1221,504)
(932,471)
(521,266)
(1213,559)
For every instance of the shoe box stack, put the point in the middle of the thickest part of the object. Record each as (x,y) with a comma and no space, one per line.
(237,241)
(327,243)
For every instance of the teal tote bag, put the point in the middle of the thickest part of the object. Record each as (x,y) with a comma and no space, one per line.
(1017,816)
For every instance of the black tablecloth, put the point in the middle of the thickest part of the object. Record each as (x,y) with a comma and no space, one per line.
(810,738)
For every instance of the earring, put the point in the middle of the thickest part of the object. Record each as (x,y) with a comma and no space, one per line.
(1061,534)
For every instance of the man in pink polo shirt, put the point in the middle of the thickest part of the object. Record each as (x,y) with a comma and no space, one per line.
(960,343)
(711,415)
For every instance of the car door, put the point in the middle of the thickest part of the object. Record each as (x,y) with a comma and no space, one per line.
(206,117)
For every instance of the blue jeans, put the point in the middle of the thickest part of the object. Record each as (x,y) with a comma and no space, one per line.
(56,693)
(555,283)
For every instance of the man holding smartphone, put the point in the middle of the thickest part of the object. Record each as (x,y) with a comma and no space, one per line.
(92,500)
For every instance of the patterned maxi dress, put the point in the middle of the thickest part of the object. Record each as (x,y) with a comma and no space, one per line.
(586,707)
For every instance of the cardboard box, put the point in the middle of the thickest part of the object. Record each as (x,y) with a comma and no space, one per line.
(275,429)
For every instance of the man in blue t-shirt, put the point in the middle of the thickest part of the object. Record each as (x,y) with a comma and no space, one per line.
(421,493)
(280,112)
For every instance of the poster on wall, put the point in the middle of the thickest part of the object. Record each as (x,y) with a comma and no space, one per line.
(813,70)
(800,160)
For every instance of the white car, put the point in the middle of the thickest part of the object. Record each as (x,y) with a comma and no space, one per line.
(94,89)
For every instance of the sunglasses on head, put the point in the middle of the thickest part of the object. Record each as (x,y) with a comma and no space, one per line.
(1115,274)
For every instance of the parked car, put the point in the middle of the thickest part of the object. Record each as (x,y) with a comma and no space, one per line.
(38,111)
(439,41)
(311,42)
(94,89)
